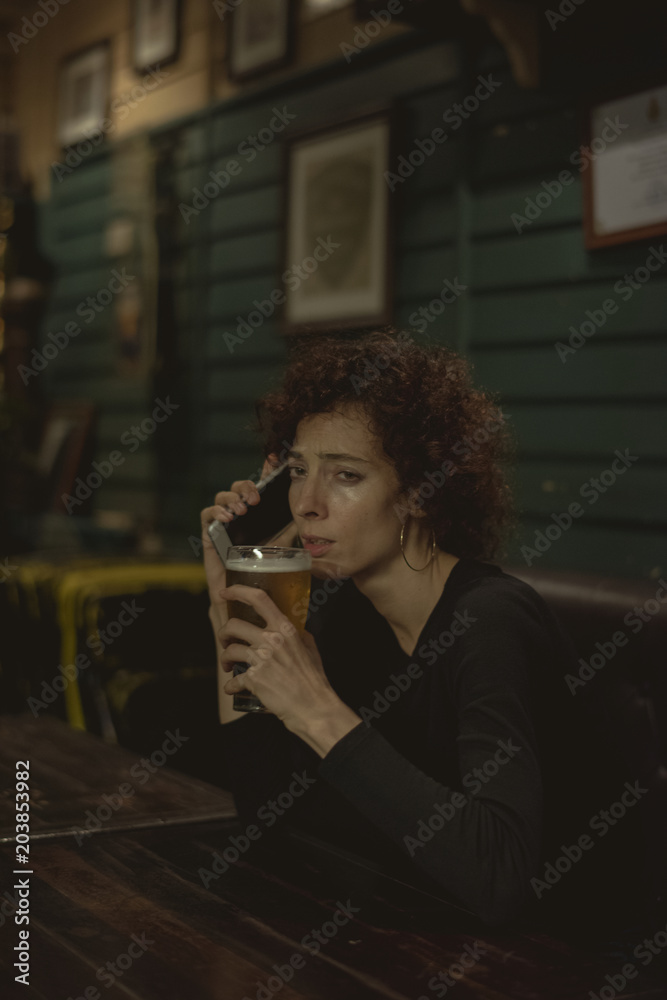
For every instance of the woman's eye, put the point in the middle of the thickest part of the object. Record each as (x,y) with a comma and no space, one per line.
(298,472)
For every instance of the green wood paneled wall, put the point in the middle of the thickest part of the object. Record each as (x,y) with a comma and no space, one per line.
(454,215)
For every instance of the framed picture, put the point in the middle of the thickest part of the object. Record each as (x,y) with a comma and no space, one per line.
(260,37)
(66,447)
(84,92)
(338,251)
(625,189)
(156,33)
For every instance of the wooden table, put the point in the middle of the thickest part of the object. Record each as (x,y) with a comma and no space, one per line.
(137,910)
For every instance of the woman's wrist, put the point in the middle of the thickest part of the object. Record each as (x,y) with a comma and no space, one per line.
(323,731)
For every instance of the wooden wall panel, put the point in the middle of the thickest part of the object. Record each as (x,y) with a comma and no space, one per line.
(454,220)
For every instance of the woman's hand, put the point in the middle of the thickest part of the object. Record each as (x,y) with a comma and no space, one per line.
(227,503)
(285,672)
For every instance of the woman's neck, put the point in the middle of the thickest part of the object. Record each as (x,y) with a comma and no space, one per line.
(406,597)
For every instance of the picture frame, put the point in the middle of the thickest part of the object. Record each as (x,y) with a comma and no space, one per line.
(339,203)
(624,187)
(66,447)
(260,37)
(156,33)
(83,92)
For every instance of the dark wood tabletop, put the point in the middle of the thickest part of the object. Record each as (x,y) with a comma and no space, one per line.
(78,784)
(156,913)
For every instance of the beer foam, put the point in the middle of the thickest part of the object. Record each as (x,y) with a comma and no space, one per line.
(295,565)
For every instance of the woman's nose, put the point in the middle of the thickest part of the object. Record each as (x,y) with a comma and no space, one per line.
(309,497)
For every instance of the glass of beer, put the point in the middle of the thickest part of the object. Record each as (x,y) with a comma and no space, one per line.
(285,575)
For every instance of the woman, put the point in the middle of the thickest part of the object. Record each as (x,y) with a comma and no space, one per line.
(415,706)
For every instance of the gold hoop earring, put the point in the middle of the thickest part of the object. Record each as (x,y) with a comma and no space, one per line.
(432,552)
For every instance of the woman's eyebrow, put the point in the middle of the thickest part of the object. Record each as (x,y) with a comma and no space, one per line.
(331,456)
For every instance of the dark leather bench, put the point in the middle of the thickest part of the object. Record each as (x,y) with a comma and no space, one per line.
(618,627)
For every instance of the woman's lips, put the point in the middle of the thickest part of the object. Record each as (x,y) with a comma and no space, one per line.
(316,546)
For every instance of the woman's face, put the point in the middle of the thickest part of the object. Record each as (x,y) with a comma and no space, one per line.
(343,490)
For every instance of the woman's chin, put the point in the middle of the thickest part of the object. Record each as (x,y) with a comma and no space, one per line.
(327,570)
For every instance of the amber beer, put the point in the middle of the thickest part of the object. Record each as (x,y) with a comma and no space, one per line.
(285,575)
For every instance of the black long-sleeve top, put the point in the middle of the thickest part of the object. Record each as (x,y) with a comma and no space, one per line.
(464,759)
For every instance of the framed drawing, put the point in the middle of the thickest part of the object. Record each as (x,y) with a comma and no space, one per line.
(338,251)
(156,33)
(260,37)
(84,93)
(66,447)
(625,189)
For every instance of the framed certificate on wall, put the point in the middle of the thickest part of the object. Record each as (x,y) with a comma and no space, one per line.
(625,187)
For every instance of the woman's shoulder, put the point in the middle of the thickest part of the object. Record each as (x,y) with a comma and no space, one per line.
(498,618)
(488,588)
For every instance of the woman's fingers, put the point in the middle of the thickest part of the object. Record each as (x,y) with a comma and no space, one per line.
(270,463)
(217,513)
(243,489)
(258,599)
(230,502)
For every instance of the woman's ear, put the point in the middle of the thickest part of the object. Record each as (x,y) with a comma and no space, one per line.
(409,507)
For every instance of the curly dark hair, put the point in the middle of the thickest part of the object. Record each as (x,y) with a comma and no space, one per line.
(446,439)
